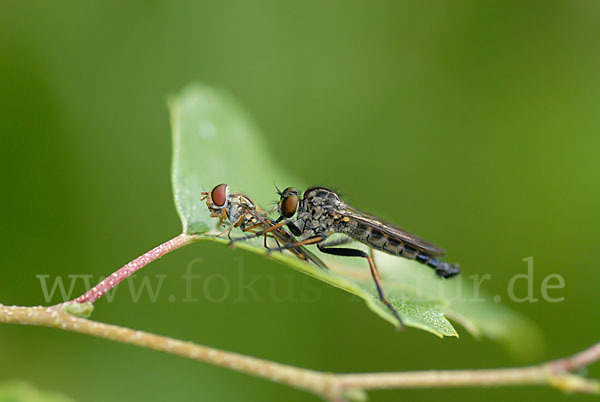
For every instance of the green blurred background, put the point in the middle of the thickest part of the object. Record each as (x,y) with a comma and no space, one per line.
(474,124)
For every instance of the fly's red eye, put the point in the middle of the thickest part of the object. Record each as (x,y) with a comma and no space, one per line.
(219,195)
(288,205)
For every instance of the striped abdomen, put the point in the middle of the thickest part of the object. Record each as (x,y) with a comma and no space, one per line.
(381,241)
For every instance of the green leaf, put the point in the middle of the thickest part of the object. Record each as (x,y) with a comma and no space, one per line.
(21,391)
(215,141)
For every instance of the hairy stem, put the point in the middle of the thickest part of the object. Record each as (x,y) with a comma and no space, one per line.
(55,317)
(129,269)
(334,387)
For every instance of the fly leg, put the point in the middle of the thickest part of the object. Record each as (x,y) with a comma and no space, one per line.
(222,216)
(298,251)
(310,240)
(351,252)
(230,228)
(257,234)
(270,236)
(328,248)
(372,255)
(252,229)
(293,246)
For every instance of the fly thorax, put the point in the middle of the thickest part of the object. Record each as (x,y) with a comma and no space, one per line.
(344,226)
(303,221)
(233,212)
(300,223)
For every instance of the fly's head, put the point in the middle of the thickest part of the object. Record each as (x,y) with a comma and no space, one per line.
(289,201)
(217,200)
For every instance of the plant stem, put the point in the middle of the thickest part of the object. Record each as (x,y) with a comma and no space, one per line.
(334,387)
(55,317)
(129,269)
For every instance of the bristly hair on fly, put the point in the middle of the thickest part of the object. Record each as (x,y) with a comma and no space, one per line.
(278,190)
(336,190)
(300,193)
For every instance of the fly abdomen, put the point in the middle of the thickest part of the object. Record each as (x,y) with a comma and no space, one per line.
(367,235)
(442,268)
(392,245)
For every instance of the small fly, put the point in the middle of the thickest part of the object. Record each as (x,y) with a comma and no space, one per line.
(243,213)
(321,213)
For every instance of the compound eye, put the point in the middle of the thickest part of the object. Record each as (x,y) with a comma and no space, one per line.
(288,205)
(219,195)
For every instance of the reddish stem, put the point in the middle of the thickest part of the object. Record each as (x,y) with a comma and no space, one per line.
(126,271)
(581,359)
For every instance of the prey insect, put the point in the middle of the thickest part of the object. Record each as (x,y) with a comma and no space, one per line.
(243,213)
(321,213)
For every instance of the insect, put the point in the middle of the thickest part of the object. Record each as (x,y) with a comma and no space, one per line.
(243,213)
(321,213)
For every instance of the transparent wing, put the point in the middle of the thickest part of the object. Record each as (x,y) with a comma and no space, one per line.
(391,230)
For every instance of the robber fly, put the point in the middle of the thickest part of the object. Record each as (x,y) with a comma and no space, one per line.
(243,213)
(321,213)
